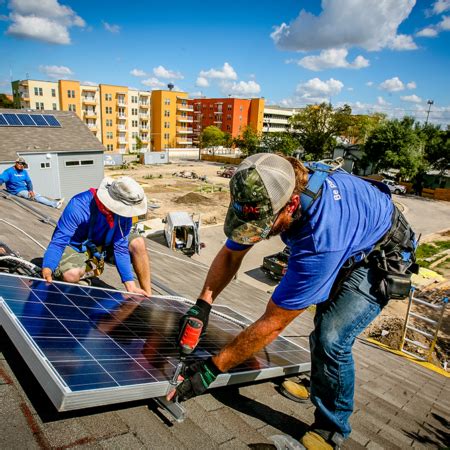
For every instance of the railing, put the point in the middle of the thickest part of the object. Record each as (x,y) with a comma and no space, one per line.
(185,119)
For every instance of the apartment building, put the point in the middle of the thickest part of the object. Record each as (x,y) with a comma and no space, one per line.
(276,118)
(171,121)
(231,115)
(118,116)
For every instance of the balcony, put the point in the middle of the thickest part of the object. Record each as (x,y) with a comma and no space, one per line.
(90,114)
(89,100)
(181,107)
(218,112)
(121,116)
(182,130)
(184,141)
(122,140)
(185,119)
(144,138)
(218,121)
(121,127)
(143,116)
(144,105)
(121,103)
(143,127)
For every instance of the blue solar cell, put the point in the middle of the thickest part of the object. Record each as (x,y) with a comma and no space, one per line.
(3,121)
(12,120)
(26,120)
(51,120)
(39,120)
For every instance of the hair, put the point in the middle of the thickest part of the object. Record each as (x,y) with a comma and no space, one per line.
(301,175)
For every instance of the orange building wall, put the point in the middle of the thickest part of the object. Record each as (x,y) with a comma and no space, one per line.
(64,100)
(256,116)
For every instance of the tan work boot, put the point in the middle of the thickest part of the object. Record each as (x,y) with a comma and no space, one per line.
(314,440)
(297,392)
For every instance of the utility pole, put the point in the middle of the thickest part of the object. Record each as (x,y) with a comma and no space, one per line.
(429,102)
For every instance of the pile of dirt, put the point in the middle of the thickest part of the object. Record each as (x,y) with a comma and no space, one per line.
(388,331)
(193,198)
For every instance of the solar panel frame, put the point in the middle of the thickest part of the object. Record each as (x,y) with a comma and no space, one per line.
(63,397)
(3,122)
(12,119)
(39,120)
(52,120)
(26,120)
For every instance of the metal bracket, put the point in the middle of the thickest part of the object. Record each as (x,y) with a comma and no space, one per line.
(175,409)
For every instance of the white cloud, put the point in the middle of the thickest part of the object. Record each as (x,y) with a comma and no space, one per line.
(111,27)
(444,24)
(195,94)
(226,73)
(89,83)
(382,102)
(332,58)
(350,89)
(241,88)
(153,83)
(411,98)
(43,20)
(316,90)
(392,85)
(138,73)
(440,6)
(335,27)
(411,85)
(369,83)
(202,82)
(162,72)
(57,72)
(427,32)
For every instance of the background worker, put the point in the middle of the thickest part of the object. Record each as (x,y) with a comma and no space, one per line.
(331,229)
(18,182)
(95,224)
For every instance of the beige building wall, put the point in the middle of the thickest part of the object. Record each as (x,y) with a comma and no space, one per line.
(91,110)
(36,94)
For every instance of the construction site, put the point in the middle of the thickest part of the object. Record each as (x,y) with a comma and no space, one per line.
(401,397)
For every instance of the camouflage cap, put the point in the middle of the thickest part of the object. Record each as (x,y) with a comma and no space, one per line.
(260,188)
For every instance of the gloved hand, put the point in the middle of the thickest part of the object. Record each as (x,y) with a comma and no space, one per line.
(197,377)
(200,311)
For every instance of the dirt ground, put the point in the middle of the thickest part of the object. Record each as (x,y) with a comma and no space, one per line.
(169,191)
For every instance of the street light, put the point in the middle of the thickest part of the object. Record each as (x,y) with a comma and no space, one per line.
(429,102)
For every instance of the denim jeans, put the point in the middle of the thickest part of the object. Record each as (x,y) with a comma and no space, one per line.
(337,323)
(38,198)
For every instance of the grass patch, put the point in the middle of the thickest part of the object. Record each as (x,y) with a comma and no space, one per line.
(428,253)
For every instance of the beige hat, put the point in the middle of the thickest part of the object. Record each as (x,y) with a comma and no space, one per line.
(123,196)
(20,160)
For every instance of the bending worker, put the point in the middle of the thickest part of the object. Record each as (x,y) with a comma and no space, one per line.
(18,182)
(350,250)
(94,225)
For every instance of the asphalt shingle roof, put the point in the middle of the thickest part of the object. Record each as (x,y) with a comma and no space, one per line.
(72,136)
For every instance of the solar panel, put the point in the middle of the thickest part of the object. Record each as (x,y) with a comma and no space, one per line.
(51,120)
(91,346)
(39,120)
(12,119)
(26,120)
(3,121)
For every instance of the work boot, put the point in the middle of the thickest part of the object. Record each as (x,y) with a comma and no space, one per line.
(321,440)
(297,392)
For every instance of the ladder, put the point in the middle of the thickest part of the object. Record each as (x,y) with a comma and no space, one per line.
(435,323)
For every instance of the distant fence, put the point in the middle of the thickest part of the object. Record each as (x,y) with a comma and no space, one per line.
(437,194)
(222,159)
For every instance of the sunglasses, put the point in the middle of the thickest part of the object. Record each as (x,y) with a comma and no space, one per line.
(20,163)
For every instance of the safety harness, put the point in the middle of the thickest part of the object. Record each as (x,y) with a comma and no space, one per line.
(393,256)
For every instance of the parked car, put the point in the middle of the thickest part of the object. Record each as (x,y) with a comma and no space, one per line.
(394,187)
(275,265)
(228,172)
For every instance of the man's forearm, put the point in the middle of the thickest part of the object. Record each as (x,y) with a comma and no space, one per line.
(222,270)
(255,337)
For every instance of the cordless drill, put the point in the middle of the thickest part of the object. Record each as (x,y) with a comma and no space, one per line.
(188,339)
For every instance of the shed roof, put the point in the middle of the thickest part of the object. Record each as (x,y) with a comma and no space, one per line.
(72,136)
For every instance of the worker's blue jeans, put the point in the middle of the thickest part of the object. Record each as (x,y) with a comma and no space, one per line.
(38,198)
(337,323)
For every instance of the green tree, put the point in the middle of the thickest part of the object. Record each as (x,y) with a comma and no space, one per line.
(362,126)
(6,102)
(227,139)
(395,145)
(139,144)
(283,142)
(248,142)
(317,127)
(436,146)
(211,137)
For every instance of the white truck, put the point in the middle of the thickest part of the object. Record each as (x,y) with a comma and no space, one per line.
(394,187)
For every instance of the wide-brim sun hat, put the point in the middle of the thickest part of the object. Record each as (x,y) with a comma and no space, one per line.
(20,159)
(262,185)
(123,196)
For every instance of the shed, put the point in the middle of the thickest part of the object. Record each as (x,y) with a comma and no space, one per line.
(63,156)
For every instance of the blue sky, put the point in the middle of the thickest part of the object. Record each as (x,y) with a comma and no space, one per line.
(376,55)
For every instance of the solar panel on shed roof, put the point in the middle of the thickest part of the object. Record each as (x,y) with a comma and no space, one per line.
(90,346)
(12,119)
(51,120)
(39,120)
(3,121)
(26,120)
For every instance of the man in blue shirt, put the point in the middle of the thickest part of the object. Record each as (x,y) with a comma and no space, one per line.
(97,223)
(347,219)
(18,182)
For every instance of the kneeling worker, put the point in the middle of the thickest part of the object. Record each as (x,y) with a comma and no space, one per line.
(97,223)
(351,250)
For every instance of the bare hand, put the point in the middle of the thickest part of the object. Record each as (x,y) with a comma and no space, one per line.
(31,194)
(47,274)
(131,287)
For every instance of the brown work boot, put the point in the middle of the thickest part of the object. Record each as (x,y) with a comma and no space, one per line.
(297,392)
(321,440)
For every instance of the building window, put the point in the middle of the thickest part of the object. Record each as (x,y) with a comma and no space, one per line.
(87,162)
(228,128)
(134,134)
(241,108)
(167,101)
(83,162)
(166,135)
(71,93)
(72,163)
(54,107)
(38,91)
(134,123)
(109,122)
(53,92)
(108,97)
(166,113)
(134,147)
(166,124)
(229,107)
(72,107)
(109,148)
(108,109)
(134,99)
(45,165)
(109,135)
(39,105)
(229,116)
(240,118)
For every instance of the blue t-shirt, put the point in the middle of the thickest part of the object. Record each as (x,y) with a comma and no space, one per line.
(348,219)
(16,180)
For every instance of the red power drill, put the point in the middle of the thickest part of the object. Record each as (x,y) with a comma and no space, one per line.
(189,338)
